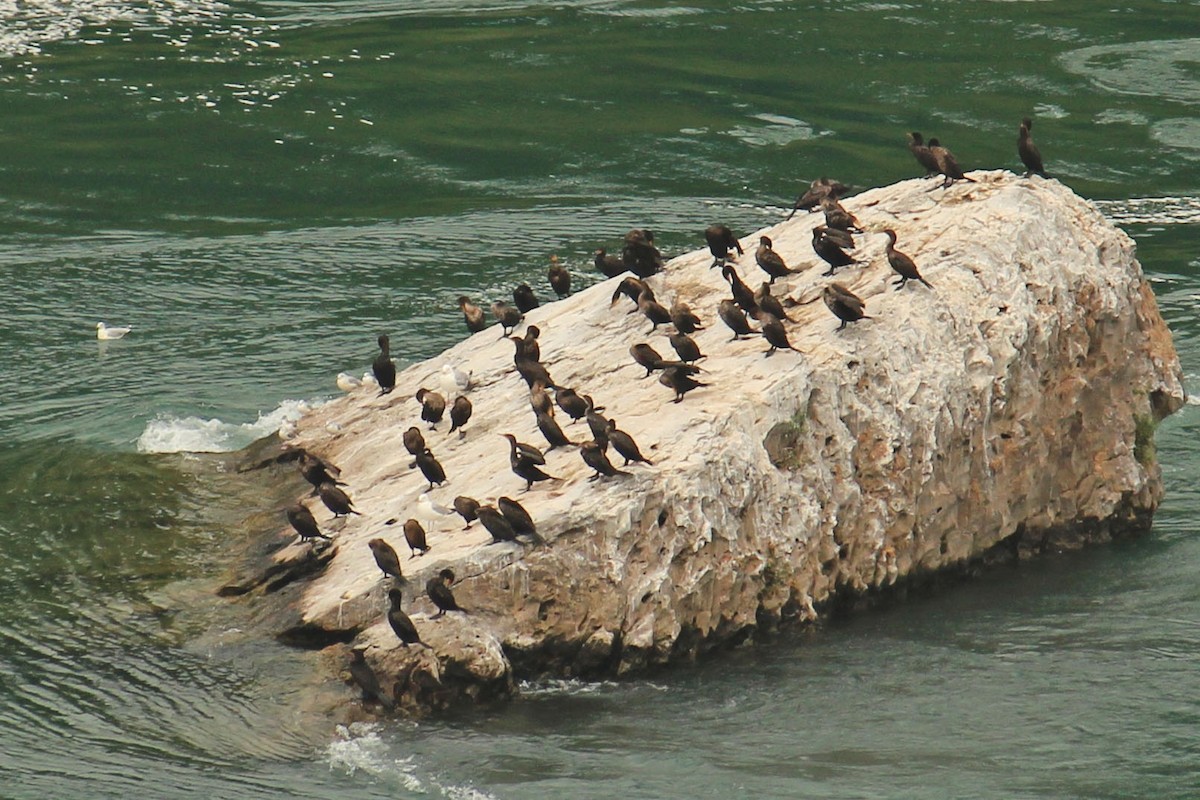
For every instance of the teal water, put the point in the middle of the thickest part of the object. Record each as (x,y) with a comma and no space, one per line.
(260,188)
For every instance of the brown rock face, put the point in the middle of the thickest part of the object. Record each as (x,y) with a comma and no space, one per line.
(1008,410)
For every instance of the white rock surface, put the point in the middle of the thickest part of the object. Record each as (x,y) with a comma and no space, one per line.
(1003,405)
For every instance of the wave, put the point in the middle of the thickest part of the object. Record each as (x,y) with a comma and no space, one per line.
(358,747)
(168,433)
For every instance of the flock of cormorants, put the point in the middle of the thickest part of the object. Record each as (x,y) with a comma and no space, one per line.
(508,520)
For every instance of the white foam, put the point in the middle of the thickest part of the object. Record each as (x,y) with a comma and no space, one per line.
(168,433)
(359,748)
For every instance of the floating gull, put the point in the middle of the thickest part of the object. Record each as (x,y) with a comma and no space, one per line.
(347,382)
(454,380)
(105,332)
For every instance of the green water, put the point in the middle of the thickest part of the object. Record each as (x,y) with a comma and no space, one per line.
(259,189)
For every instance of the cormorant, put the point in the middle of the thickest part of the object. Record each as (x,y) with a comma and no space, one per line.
(771,262)
(507,316)
(304,522)
(539,399)
(825,245)
(733,316)
(400,622)
(632,288)
(413,441)
(519,519)
(680,381)
(560,278)
(742,293)
(414,534)
(720,239)
(947,164)
(431,468)
(1031,157)
(386,559)
(774,333)
(816,192)
(472,314)
(904,266)
(594,457)
(383,367)
(570,401)
(611,266)
(686,347)
(525,460)
(838,217)
(683,319)
(552,431)
(921,152)
(366,679)
(316,471)
(524,298)
(769,303)
(639,254)
(466,508)
(597,422)
(845,304)
(460,413)
(335,499)
(433,406)
(438,589)
(624,444)
(533,372)
(496,524)
(653,310)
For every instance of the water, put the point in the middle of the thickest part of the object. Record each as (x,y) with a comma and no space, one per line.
(261,188)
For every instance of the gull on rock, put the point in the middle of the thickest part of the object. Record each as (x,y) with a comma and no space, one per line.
(105,332)
(454,380)
(347,382)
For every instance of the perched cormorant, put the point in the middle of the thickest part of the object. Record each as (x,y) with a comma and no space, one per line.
(414,534)
(304,522)
(539,399)
(683,319)
(816,192)
(525,460)
(1031,157)
(316,471)
(611,266)
(774,333)
(438,589)
(383,367)
(680,381)
(560,278)
(413,441)
(720,239)
(507,316)
(947,164)
(653,310)
(570,401)
(904,266)
(646,356)
(460,413)
(624,444)
(733,316)
(519,519)
(527,347)
(921,152)
(771,262)
(366,679)
(466,508)
(401,624)
(431,468)
(639,254)
(533,372)
(552,431)
(433,406)
(386,559)
(594,456)
(769,303)
(838,217)
(632,288)
(496,524)
(335,499)
(742,293)
(597,422)
(686,347)
(825,245)
(845,304)
(472,314)
(524,298)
